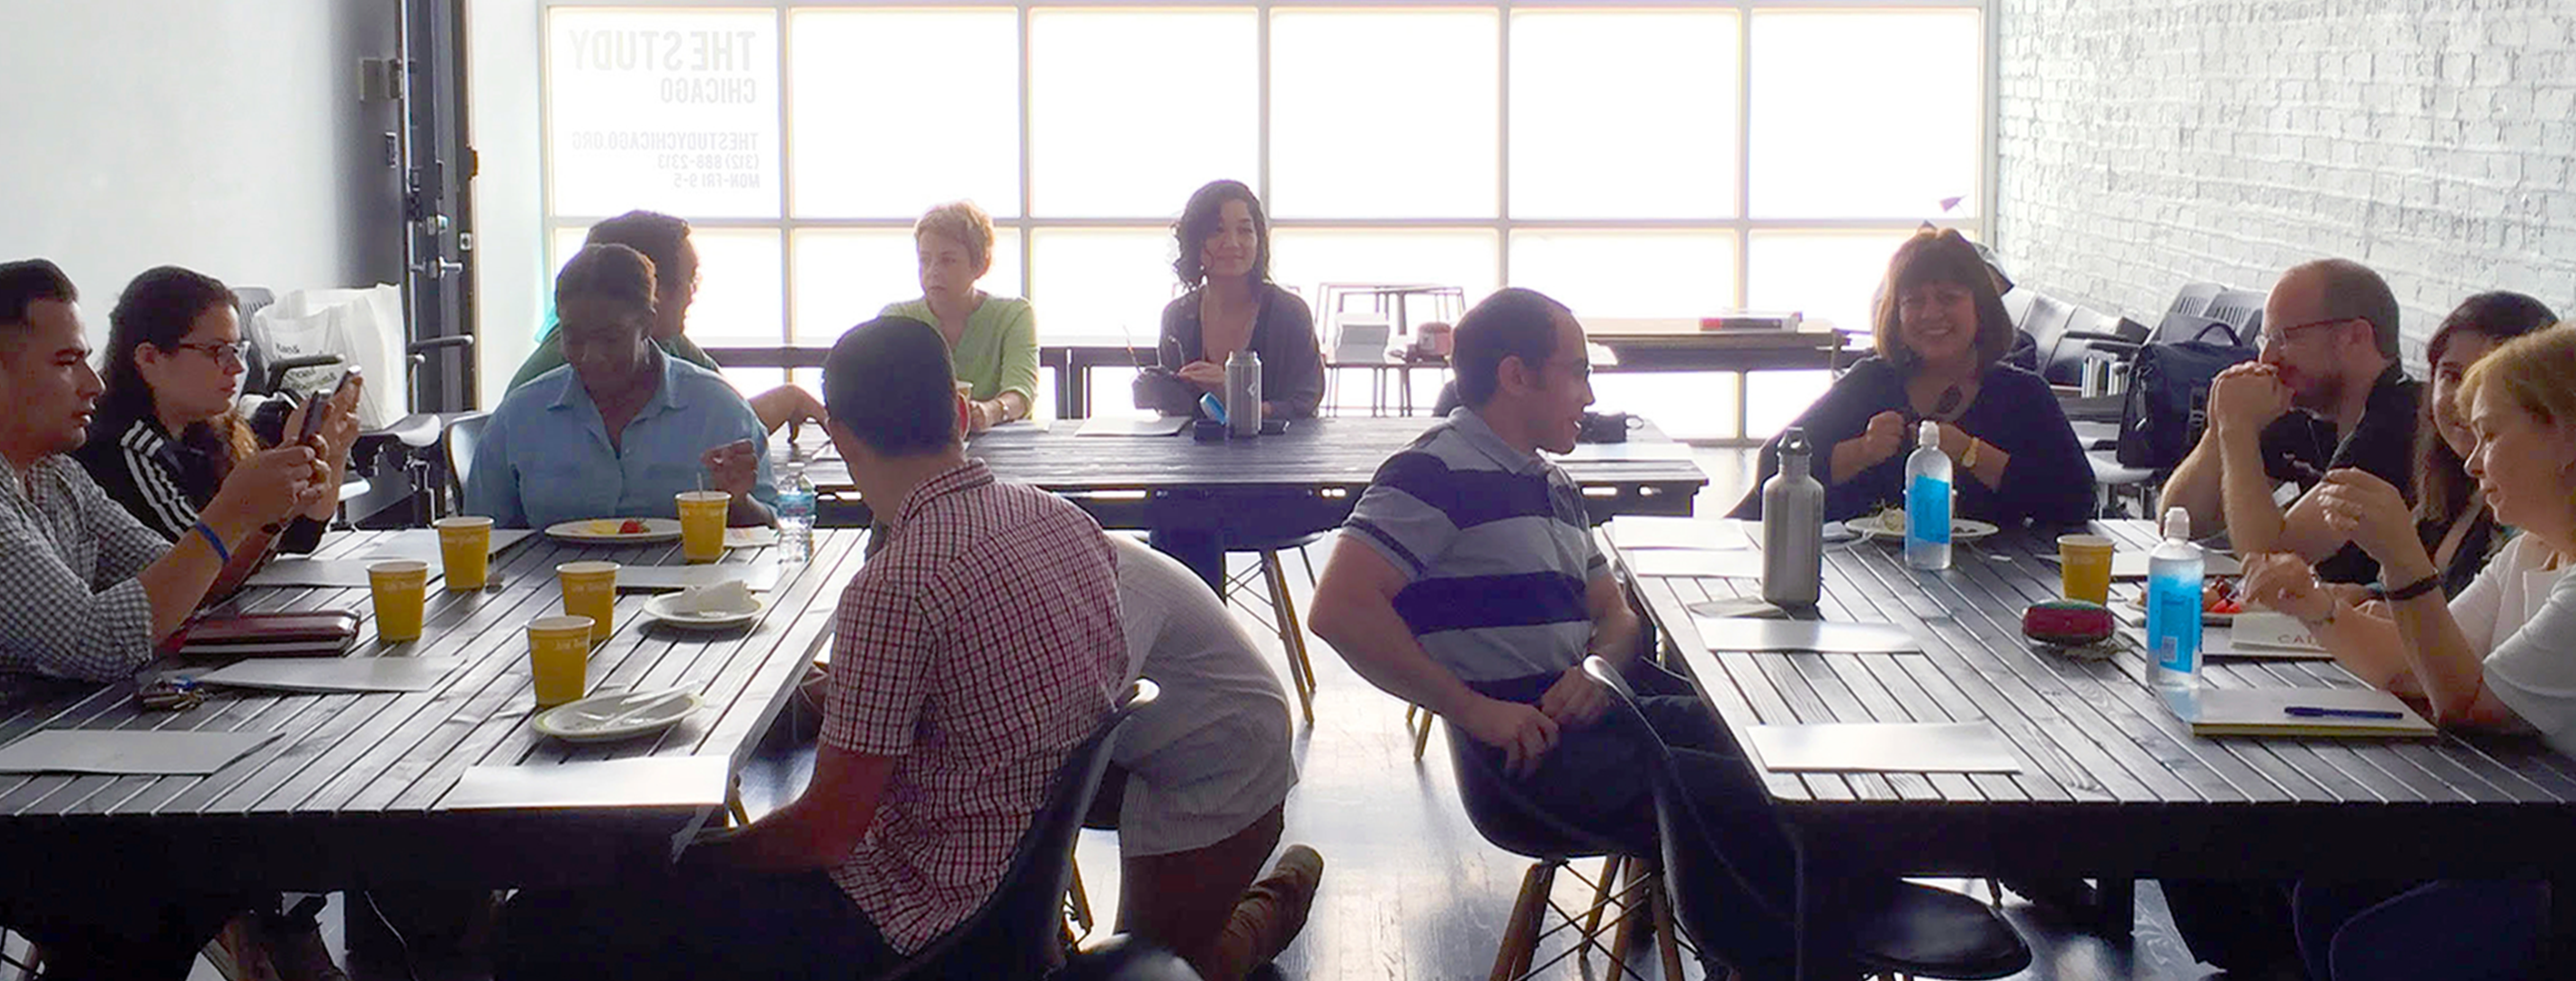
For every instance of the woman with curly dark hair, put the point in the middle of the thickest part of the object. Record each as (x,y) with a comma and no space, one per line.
(1224,259)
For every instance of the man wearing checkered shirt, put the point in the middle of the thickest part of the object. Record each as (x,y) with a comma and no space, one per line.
(969,657)
(85,592)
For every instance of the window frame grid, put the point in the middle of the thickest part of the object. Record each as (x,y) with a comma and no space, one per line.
(1740,228)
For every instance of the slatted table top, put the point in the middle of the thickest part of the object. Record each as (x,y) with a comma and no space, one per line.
(2110,780)
(356,787)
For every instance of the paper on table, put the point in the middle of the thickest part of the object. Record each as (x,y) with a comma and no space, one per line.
(758,576)
(1873,747)
(422,544)
(750,537)
(125,752)
(2267,628)
(1741,634)
(656,781)
(2264,712)
(335,673)
(1125,426)
(1659,531)
(1738,564)
(2133,565)
(1736,606)
(297,571)
(1632,450)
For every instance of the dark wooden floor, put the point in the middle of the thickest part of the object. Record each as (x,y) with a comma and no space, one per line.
(1410,891)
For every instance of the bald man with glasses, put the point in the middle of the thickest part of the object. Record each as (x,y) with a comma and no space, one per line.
(2326,394)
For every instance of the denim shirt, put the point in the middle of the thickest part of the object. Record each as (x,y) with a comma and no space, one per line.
(546,457)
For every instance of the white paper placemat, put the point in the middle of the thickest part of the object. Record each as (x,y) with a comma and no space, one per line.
(335,673)
(126,752)
(664,781)
(422,544)
(1737,564)
(1873,747)
(1659,531)
(1743,634)
(292,571)
(759,576)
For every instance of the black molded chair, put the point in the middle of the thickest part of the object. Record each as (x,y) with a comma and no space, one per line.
(1124,957)
(1512,822)
(1907,928)
(1018,933)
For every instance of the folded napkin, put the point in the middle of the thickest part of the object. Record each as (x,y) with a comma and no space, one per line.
(731,596)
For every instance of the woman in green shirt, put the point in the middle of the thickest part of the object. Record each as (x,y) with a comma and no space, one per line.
(664,240)
(993,340)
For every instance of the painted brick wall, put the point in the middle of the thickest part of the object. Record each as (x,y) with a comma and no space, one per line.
(2149,143)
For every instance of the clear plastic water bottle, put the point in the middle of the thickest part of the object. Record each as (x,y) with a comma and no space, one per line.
(795,513)
(1793,527)
(1927,501)
(2173,605)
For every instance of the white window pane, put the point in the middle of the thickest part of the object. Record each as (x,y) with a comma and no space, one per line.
(676,111)
(1101,285)
(1827,275)
(1308,259)
(898,110)
(1129,110)
(1588,142)
(1383,114)
(844,276)
(1865,113)
(738,284)
(1685,405)
(741,273)
(753,381)
(1629,273)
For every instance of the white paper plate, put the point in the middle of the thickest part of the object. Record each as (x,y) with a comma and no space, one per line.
(623,715)
(661,608)
(1891,524)
(599,531)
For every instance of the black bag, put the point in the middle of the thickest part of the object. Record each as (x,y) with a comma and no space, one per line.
(2168,387)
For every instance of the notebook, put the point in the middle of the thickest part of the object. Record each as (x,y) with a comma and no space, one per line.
(2266,712)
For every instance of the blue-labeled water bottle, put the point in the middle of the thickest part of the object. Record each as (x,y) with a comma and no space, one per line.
(795,512)
(1927,501)
(2173,605)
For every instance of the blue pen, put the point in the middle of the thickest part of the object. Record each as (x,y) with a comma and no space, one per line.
(2317,712)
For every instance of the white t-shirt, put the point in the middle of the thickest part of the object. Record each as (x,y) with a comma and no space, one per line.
(1211,755)
(2525,619)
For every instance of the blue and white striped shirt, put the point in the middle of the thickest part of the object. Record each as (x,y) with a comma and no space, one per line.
(1495,545)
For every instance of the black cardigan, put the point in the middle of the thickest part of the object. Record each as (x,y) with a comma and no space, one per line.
(2049,482)
(164,482)
(1283,335)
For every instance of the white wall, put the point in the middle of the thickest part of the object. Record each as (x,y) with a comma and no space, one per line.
(223,135)
(2146,143)
(503,93)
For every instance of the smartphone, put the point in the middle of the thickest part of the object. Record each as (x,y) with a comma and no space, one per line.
(313,407)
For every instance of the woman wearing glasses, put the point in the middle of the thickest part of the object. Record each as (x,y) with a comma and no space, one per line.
(167,432)
(1942,335)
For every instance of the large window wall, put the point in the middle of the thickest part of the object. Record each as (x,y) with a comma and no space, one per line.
(1635,160)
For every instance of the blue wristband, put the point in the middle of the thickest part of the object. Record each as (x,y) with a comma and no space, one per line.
(222,554)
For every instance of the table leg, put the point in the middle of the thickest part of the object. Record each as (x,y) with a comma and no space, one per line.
(1200,549)
(1804,934)
(2119,908)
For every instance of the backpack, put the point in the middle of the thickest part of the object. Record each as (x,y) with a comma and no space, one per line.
(2165,407)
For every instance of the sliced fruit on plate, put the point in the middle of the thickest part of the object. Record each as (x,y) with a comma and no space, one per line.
(631,526)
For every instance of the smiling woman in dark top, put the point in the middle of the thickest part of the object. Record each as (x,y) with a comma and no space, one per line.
(1942,334)
(1233,305)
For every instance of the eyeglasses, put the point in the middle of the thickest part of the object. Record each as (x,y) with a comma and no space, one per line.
(2281,336)
(233,353)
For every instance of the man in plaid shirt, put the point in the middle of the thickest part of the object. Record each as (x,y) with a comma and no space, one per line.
(970,656)
(85,593)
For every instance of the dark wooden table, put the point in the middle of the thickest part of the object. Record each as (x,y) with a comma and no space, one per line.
(353,794)
(1202,499)
(2111,786)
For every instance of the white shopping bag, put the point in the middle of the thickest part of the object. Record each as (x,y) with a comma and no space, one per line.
(363,326)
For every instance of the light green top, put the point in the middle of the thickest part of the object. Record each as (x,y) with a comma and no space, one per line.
(999,350)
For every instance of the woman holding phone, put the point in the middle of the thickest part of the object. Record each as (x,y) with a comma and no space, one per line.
(167,430)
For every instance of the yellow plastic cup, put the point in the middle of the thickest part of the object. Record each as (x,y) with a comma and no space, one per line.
(559,658)
(590,590)
(702,524)
(465,551)
(399,588)
(2084,567)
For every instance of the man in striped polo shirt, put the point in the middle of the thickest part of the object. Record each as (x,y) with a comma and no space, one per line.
(1467,580)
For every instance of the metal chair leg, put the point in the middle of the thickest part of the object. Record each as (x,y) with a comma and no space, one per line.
(1077,902)
(1667,939)
(1422,736)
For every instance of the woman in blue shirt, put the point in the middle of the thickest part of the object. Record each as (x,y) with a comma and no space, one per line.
(621,428)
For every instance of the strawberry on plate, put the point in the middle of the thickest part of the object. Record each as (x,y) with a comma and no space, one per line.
(631,526)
